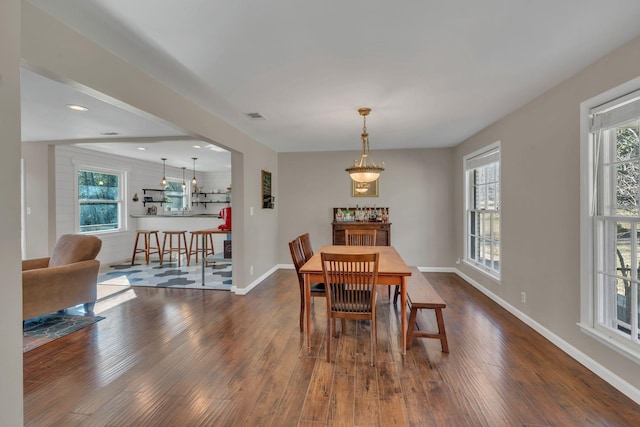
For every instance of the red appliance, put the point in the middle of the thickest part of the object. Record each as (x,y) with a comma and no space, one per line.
(225,214)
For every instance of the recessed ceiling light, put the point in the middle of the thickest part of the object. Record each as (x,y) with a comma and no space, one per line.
(142,148)
(196,146)
(109,133)
(77,107)
(216,148)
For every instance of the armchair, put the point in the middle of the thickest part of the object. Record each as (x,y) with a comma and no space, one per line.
(67,278)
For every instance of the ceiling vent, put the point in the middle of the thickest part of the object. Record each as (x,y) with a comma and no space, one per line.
(255,116)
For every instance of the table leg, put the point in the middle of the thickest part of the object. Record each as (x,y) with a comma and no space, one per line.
(403,301)
(307,311)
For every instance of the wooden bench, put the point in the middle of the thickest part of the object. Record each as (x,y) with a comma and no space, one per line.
(420,295)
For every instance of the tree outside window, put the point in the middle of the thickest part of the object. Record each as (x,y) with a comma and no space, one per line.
(99,196)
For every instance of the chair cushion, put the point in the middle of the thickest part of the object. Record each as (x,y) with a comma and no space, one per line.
(317,287)
(72,248)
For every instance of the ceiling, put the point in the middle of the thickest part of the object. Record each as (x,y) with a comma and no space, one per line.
(433,72)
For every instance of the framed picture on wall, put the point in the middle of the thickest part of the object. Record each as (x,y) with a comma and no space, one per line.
(267,199)
(368,189)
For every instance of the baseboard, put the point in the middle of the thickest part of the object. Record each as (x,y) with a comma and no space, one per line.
(256,282)
(619,383)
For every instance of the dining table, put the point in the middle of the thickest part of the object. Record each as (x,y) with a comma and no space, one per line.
(392,271)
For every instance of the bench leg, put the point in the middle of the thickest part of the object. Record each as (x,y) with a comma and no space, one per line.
(441,331)
(411,326)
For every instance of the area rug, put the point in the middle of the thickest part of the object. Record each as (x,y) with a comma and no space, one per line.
(169,275)
(44,329)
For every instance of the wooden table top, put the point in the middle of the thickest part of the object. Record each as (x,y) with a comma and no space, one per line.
(391,263)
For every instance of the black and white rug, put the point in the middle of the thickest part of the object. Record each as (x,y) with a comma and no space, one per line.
(217,276)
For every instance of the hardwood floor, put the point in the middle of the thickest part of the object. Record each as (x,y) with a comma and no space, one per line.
(170,357)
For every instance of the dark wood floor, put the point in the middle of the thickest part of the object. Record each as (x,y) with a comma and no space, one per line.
(168,357)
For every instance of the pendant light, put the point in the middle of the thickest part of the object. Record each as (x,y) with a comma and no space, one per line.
(184,184)
(194,181)
(362,170)
(164,173)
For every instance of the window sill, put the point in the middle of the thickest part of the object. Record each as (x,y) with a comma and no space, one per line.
(609,341)
(484,271)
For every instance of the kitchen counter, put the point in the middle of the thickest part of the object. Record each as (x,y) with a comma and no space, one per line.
(176,216)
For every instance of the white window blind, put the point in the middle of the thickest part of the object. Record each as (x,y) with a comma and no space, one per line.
(616,112)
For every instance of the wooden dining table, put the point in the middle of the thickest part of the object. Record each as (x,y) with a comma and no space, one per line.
(392,271)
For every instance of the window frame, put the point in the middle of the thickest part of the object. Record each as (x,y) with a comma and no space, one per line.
(122,206)
(468,168)
(593,224)
(186,195)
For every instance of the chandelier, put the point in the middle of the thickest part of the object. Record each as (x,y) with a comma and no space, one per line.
(362,170)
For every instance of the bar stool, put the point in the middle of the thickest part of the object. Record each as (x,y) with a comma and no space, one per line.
(208,243)
(147,249)
(181,244)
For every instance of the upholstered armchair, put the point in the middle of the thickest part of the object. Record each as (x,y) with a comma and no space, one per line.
(67,278)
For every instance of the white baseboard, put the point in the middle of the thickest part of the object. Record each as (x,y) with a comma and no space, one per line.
(619,383)
(256,282)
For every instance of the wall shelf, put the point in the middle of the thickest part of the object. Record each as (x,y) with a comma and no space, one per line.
(146,200)
(212,200)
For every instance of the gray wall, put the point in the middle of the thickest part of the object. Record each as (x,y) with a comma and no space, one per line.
(10,305)
(416,186)
(541,205)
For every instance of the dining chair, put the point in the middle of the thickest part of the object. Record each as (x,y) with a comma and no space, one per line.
(350,280)
(306,245)
(360,237)
(317,289)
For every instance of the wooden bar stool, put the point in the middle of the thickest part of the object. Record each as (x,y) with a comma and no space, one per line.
(181,245)
(147,249)
(208,243)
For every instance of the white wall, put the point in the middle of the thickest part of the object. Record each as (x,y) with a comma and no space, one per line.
(416,186)
(36,192)
(10,305)
(116,246)
(541,206)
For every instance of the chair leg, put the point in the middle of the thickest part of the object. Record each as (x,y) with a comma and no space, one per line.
(301,309)
(374,341)
(158,247)
(329,321)
(135,249)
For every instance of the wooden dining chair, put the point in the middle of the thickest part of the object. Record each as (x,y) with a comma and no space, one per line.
(360,237)
(307,250)
(317,289)
(350,280)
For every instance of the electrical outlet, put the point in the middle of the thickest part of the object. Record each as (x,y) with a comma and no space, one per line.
(458,261)
(523,297)
(251,270)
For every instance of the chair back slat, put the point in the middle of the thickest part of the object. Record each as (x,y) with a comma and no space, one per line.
(305,241)
(351,280)
(360,237)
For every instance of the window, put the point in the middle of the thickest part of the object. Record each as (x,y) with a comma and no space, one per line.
(175,195)
(614,220)
(99,200)
(482,236)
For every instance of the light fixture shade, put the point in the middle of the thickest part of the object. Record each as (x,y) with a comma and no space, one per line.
(194,181)
(164,173)
(365,170)
(364,173)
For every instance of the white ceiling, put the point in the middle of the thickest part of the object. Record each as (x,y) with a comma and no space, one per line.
(433,72)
